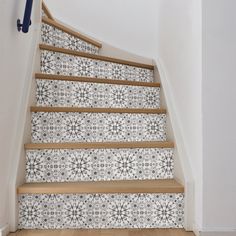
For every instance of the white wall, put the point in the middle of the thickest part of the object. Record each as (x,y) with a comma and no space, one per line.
(16,52)
(125,24)
(219,116)
(179,55)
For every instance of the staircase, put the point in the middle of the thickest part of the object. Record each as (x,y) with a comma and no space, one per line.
(99,156)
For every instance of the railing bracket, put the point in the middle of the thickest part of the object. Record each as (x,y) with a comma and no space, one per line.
(24,26)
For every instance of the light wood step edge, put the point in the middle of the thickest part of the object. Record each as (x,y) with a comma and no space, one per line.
(106,187)
(47,12)
(70,31)
(95,80)
(97,110)
(100,145)
(96,57)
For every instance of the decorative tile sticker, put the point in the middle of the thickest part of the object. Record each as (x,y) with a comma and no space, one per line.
(97,127)
(68,165)
(70,211)
(65,64)
(53,36)
(81,94)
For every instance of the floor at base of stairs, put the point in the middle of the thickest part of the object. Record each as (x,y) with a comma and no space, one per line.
(108,232)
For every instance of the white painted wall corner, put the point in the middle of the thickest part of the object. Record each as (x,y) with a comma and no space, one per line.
(4,231)
(183,162)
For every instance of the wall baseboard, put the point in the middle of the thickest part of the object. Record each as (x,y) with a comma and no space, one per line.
(4,231)
(218,232)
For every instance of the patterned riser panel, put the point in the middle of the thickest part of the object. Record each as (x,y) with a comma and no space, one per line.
(45,211)
(98,164)
(97,127)
(79,94)
(55,37)
(65,64)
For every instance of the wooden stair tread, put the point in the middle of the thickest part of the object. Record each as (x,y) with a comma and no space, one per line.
(99,145)
(96,110)
(47,12)
(126,186)
(70,31)
(102,232)
(96,57)
(95,80)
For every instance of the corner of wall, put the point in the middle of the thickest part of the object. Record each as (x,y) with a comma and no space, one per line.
(4,231)
(182,171)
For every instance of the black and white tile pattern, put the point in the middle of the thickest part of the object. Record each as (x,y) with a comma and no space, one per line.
(67,211)
(97,127)
(80,94)
(65,64)
(50,35)
(96,211)
(98,164)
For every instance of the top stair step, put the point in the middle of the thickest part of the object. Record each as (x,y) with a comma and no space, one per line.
(46,12)
(96,57)
(56,34)
(67,30)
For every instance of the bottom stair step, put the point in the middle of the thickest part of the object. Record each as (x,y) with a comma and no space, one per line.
(101,205)
(104,232)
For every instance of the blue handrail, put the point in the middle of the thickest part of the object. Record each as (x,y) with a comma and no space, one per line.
(27,15)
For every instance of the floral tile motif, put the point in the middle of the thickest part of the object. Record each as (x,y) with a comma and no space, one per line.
(65,64)
(50,35)
(97,127)
(80,94)
(98,164)
(57,211)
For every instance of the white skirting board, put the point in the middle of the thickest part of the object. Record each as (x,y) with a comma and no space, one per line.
(219,233)
(4,231)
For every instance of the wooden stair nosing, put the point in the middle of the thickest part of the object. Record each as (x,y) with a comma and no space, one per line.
(97,110)
(47,12)
(103,187)
(70,31)
(96,57)
(95,80)
(99,145)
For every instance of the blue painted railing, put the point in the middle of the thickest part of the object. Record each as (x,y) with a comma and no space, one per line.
(27,15)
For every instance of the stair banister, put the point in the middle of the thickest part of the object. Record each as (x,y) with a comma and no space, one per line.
(27,15)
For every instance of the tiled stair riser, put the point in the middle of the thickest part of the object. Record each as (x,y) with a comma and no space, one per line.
(66,165)
(97,127)
(65,64)
(81,94)
(56,211)
(50,35)
(96,211)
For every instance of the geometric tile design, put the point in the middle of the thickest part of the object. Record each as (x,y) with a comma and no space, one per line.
(68,211)
(65,64)
(81,94)
(57,165)
(96,211)
(97,127)
(50,35)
